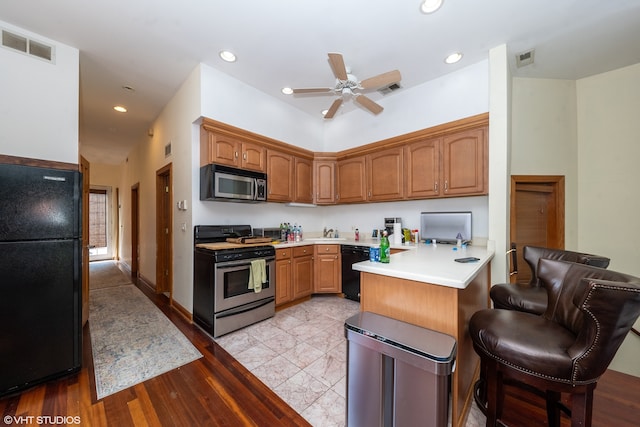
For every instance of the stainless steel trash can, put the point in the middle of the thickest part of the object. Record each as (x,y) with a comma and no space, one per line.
(397,373)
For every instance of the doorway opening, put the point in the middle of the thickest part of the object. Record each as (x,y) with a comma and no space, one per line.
(537,216)
(164,232)
(100,220)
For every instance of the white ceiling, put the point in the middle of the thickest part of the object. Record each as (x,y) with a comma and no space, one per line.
(152,46)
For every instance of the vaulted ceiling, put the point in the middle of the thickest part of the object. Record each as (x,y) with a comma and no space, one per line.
(138,53)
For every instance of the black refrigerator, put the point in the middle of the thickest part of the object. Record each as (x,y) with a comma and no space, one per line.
(40,275)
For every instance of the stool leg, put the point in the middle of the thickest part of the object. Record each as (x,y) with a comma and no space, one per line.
(495,392)
(553,412)
(582,407)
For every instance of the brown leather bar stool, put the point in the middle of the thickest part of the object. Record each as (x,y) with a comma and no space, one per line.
(564,350)
(532,297)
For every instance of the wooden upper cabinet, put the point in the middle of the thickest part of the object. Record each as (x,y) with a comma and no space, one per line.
(324,181)
(422,168)
(303,180)
(279,176)
(226,150)
(223,150)
(465,161)
(253,156)
(352,180)
(385,175)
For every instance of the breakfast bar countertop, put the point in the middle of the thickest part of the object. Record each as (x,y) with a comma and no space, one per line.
(432,264)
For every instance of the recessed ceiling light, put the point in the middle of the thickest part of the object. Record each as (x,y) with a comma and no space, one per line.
(227,56)
(120,109)
(453,58)
(287,90)
(430,6)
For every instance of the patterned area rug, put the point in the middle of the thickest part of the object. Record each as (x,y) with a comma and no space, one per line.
(132,340)
(106,274)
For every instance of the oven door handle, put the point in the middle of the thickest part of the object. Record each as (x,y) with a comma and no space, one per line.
(245,308)
(229,264)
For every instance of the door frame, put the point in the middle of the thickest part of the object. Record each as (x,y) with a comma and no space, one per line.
(556,183)
(164,230)
(135,231)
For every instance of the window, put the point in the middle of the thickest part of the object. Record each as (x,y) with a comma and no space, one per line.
(98,222)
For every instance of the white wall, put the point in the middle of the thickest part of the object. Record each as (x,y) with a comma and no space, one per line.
(39,108)
(608,108)
(460,94)
(587,130)
(544,133)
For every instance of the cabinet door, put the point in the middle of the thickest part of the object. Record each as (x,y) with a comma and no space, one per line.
(422,166)
(385,175)
(283,281)
(253,156)
(464,163)
(302,276)
(224,150)
(327,269)
(303,182)
(325,182)
(279,176)
(352,180)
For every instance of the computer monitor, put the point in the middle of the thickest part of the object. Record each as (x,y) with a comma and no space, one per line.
(445,226)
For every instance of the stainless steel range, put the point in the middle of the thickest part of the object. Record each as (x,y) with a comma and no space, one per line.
(223,301)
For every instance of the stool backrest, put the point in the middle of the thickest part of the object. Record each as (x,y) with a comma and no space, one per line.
(533,254)
(599,306)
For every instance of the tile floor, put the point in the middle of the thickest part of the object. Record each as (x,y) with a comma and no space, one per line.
(300,353)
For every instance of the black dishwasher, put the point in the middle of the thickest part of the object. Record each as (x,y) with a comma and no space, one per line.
(351,278)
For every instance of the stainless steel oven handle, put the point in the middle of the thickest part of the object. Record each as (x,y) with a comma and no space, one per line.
(245,308)
(228,264)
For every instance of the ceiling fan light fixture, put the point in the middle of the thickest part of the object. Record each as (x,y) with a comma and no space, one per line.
(120,109)
(430,6)
(227,56)
(453,58)
(287,90)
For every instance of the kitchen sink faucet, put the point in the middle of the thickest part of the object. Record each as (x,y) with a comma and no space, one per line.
(326,233)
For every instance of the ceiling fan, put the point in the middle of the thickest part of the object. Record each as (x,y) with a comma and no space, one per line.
(347,86)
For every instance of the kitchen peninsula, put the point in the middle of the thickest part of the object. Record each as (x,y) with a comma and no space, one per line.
(426,287)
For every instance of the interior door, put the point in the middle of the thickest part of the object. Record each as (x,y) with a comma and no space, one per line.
(537,216)
(164,231)
(86,185)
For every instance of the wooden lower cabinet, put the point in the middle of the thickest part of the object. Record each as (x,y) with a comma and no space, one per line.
(327,269)
(305,270)
(302,265)
(284,290)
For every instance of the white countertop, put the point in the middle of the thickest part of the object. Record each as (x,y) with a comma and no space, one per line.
(431,264)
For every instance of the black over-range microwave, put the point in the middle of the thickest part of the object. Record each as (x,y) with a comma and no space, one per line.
(225,183)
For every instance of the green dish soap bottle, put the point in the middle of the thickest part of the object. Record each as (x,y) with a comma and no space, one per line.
(384,248)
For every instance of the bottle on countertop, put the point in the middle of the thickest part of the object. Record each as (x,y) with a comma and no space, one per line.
(357,235)
(384,248)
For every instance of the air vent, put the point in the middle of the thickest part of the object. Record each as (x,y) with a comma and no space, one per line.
(14,41)
(525,58)
(27,46)
(388,89)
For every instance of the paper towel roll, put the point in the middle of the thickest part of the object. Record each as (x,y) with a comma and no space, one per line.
(397,233)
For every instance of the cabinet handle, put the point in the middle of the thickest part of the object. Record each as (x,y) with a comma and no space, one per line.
(236,154)
(435,187)
(446,185)
(244,156)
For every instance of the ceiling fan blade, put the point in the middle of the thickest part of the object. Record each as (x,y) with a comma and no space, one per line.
(313,90)
(337,65)
(333,109)
(367,103)
(380,80)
